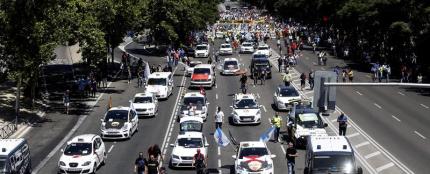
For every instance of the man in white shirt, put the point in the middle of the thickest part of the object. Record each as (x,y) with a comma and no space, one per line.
(219,116)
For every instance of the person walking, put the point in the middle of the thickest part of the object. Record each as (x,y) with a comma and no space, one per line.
(129,74)
(302,81)
(255,75)
(66,101)
(291,158)
(350,75)
(139,164)
(243,80)
(280,61)
(263,76)
(287,78)
(152,165)
(277,122)
(219,117)
(311,79)
(199,162)
(420,78)
(343,124)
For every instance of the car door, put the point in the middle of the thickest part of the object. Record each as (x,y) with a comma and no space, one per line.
(155,103)
(275,96)
(96,152)
(134,120)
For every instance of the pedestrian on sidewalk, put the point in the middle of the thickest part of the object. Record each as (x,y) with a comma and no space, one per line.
(344,74)
(388,71)
(311,79)
(93,87)
(66,101)
(219,117)
(291,158)
(129,74)
(277,122)
(302,81)
(350,75)
(343,124)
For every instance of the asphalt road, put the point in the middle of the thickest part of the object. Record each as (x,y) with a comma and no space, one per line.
(397,137)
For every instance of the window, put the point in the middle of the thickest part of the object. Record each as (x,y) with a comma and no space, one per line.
(157,81)
(333,162)
(288,92)
(201,47)
(143,100)
(201,71)
(116,115)
(78,149)
(246,104)
(190,142)
(253,151)
(2,165)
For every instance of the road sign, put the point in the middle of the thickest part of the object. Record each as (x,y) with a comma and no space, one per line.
(324,96)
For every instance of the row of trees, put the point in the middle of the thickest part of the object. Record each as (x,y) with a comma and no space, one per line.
(395,31)
(30,29)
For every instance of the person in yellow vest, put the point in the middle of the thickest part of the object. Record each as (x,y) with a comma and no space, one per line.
(350,75)
(277,122)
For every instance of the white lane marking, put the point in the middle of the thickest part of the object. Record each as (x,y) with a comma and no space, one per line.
(377,105)
(423,105)
(353,135)
(67,137)
(396,118)
(308,92)
(334,120)
(386,166)
(110,149)
(323,68)
(358,93)
(216,96)
(264,108)
(401,93)
(420,135)
(283,149)
(362,144)
(219,162)
(372,154)
(258,95)
(219,151)
(171,121)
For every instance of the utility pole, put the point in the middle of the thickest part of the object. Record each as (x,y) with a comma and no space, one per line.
(18,96)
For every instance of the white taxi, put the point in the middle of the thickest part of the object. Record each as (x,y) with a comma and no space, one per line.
(253,157)
(203,76)
(246,109)
(264,49)
(225,49)
(247,47)
(230,66)
(161,84)
(202,50)
(285,96)
(145,104)
(185,148)
(119,123)
(190,67)
(194,104)
(83,154)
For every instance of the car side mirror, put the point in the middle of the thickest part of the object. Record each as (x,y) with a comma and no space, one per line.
(234,156)
(172,145)
(273,156)
(325,124)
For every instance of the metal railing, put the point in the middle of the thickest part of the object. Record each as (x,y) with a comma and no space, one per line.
(8,129)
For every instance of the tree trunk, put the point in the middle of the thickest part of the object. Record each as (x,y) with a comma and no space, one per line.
(18,96)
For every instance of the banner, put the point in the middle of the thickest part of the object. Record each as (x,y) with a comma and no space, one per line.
(266,135)
(220,138)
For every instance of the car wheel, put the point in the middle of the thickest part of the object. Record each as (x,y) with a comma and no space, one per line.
(94,168)
(104,159)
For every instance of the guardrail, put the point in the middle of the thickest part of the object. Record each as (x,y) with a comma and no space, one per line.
(8,129)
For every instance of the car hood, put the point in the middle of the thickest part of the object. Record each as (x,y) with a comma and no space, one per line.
(114,124)
(201,51)
(310,131)
(225,49)
(143,105)
(80,159)
(246,112)
(182,151)
(288,99)
(255,163)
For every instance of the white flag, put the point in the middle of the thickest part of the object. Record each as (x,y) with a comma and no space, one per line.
(220,138)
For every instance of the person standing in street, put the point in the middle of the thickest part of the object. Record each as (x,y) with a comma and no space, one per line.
(291,158)
(343,124)
(302,81)
(152,165)
(287,78)
(350,75)
(199,162)
(277,122)
(311,79)
(66,101)
(280,61)
(139,164)
(219,116)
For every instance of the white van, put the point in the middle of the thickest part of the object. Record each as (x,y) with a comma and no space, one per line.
(14,156)
(161,84)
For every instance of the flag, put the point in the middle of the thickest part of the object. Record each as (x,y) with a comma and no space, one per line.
(147,71)
(220,138)
(131,105)
(266,135)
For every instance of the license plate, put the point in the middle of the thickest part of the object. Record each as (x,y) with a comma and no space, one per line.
(247,119)
(74,169)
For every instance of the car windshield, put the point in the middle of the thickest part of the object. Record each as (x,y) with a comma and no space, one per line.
(2,166)
(190,142)
(226,46)
(193,64)
(193,100)
(230,65)
(116,115)
(246,104)
(259,56)
(191,126)
(247,45)
(333,162)
(251,151)
(201,47)
(157,81)
(78,149)
(142,100)
(288,92)
(263,48)
(201,71)
(309,120)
